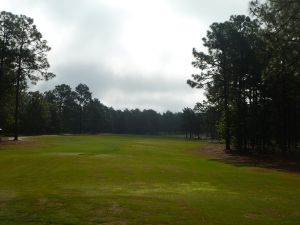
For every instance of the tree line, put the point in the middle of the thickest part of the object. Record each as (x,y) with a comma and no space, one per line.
(249,69)
(23,59)
(63,110)
(200,122)
(251,73)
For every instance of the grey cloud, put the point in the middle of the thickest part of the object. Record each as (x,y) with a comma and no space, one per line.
(131,90)
(85,36)
(211,10)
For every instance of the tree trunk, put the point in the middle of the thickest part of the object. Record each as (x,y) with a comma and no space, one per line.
(226,111)
(226,100)
(19,72)
(16,135)
(80,125)
(227,130)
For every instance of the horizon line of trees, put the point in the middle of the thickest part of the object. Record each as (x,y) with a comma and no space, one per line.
(250,71)
(63,110)
(66,111)
(23,59)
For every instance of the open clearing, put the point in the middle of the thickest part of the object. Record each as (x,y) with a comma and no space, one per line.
(120,179)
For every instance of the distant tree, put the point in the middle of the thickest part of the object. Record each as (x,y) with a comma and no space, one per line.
(59,110)
(188,122)
(168,123)
(95,116)
(137,121)
(208,115)
(83,97)
(63,108)
(36,115)
(151,121)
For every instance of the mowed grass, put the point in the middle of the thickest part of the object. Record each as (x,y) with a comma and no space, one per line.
(115,179)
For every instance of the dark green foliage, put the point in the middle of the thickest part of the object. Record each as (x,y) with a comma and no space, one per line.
(35,116)
(95,117)
(23,58)
(208,116)
(200,121)
(189,123)
(282,73)
(6,70)
(83,96)
(63,110)
(251,75)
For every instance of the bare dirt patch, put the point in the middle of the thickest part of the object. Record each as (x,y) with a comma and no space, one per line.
(23,141)
(216,152)
(116,208)
(9,142)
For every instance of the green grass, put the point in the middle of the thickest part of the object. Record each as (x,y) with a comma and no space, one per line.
(111,179)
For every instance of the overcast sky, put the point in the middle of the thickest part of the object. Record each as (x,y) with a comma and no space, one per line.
(131,53)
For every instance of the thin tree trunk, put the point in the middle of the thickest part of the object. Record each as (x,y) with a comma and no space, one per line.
(227,130)
(226,100)
(19,73)
(284,105)
(80,125)
(3,52)
(17,105)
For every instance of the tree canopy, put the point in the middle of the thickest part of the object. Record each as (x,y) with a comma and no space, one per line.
(23,54)
(250,71)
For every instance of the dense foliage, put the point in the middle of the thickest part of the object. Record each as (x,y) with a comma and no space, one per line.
(23,58)
(250,70)
(63,110)
(251,73)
